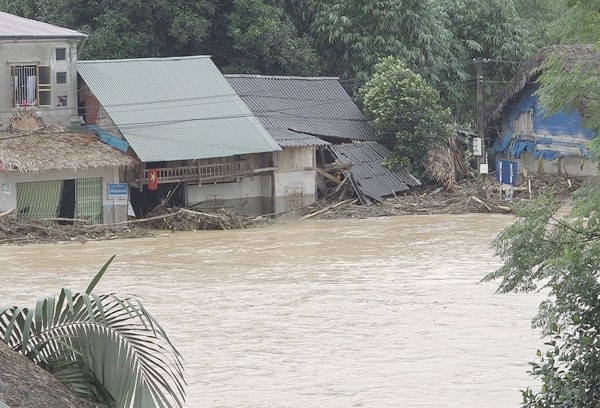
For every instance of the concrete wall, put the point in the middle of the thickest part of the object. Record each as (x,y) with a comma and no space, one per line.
(40,52)
(551,144)
(246,195)
(113,211)
(284,181)
(569,166)
(296,169)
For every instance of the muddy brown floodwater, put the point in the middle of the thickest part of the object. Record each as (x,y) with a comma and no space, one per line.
(381,312)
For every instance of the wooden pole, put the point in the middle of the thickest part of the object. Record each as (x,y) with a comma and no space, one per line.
(482,162)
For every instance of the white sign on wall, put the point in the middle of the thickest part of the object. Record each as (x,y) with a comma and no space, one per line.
(477,146)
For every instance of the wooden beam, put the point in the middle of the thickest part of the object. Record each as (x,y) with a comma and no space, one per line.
(7,213)
(327,175)
(328,208)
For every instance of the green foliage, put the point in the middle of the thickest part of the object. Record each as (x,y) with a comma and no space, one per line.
(125,28)
(559,252)
(573,85)
(352,35)
(489,29)
(108,349)
(266,41)
(406,112)
(542,19)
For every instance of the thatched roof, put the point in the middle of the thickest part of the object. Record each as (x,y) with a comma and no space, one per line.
(574,55)
(24,385)
(58,151)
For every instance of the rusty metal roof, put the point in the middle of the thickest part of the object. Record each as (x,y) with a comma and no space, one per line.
(371,179)
(316,106)
(12,26)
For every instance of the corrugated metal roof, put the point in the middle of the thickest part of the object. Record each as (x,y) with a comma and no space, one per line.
(175,108)
(289,138)
(370,177)
(317,106)
(12,26)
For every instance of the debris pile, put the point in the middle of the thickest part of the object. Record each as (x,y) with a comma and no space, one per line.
(182,219)
(14,231)
(465,198)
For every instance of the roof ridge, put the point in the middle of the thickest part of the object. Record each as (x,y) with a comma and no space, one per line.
(290,77)
(187,57)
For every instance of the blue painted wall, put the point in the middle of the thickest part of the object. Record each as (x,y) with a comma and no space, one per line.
(552,133)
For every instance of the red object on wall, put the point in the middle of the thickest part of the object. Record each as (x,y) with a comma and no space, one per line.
(152,179)
(92,107)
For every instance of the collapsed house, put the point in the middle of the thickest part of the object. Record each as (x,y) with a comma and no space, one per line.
(318,112)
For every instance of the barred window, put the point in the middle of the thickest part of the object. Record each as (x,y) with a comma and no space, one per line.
(31,84)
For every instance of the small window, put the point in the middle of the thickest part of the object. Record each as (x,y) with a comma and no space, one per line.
(61,54)
(62,100)
(61,77)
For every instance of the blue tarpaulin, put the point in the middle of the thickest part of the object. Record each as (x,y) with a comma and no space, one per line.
(111,140)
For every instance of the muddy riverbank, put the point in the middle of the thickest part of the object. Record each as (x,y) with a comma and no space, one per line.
(422,201)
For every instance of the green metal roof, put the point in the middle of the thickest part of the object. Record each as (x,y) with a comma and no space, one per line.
(175,108)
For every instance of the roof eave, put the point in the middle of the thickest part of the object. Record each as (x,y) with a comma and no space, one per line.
(43,37)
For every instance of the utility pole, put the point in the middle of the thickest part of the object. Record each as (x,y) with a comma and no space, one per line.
(479,147)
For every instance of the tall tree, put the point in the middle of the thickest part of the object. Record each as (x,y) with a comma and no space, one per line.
(406,112)
(489,29)
(541,19)
(127,28)
(352,35)
(265,40)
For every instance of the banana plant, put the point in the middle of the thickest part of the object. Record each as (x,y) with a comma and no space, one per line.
(107,348)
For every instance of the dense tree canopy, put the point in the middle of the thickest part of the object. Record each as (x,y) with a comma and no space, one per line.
(265,40)
(353,35)
(128,28)
(406,112)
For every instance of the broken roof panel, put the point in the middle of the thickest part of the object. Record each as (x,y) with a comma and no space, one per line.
(289,138)
(317,106)
(178,108)
(369,176)
(12,26)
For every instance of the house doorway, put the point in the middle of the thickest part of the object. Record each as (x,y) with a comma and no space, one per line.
(143,202)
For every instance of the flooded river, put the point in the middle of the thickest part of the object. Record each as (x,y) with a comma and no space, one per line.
(352,313)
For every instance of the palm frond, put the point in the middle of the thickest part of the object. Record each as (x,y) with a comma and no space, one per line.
(99,339)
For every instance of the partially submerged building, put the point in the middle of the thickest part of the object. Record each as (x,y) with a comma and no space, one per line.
(48,170)
(196,140)
(521,130)
(316,114)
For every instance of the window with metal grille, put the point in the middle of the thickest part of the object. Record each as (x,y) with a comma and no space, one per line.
(31,84)
(295,198)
